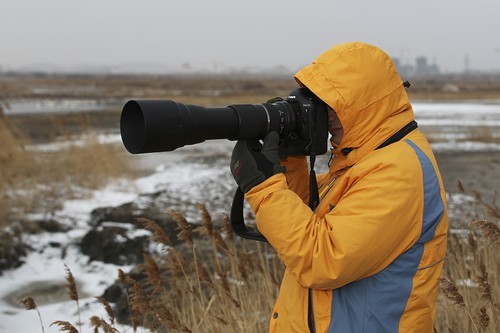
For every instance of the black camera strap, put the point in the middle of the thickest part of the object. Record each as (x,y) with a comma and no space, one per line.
(400,134)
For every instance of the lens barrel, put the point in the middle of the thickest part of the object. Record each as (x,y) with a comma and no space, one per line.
(164,125)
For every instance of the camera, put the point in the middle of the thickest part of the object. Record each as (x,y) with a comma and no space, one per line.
(165,125)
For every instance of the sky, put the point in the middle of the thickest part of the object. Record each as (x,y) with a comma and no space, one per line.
(220,34)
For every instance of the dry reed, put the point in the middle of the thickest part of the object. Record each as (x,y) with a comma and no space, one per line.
(471,279)
(65,326)
(203,286)
(204,289)
(73,292)
(34,181)
(29,304)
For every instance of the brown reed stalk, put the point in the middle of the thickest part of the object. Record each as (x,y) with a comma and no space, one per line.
(226,289)
(159,235)
(152,271)
(139,301)
(450,290)
(471,242)
(125,280)
(73,292)
(206,220)
(175,261)
(97,323)
(107,307)
(65,326)
(492,208)
(207,229)
(488,229)
(29,304)
(203,275)
(228,230)
(177,265)
(484,287)
(170,320)
(482,318)
(185,233)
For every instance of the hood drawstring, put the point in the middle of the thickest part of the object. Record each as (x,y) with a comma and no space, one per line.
(331,158)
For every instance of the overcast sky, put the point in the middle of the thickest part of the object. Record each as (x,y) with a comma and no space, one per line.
(231,33)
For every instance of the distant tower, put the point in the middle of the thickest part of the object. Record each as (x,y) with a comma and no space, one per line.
(467,64)
(421,65)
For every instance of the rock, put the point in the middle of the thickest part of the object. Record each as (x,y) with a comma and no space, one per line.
(12,250)
(149,206)
(117,236)
(51,225)
(116,243)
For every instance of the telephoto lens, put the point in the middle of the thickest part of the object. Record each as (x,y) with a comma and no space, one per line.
(155,126)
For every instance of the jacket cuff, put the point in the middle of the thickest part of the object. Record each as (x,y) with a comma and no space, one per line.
(259,192)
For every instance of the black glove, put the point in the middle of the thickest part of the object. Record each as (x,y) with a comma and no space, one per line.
(252,163)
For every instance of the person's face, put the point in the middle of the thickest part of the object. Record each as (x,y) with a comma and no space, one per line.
(334,126)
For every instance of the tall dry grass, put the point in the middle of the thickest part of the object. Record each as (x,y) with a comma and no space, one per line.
(212,283)
(470,285)
(37,181)
(220,284)
(216,284)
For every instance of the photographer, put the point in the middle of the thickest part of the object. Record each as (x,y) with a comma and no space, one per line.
(368,257)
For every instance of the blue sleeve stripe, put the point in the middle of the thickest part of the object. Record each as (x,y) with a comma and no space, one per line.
(433,203)
(376,304)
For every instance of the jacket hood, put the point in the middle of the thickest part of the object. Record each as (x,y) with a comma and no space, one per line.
(360,82)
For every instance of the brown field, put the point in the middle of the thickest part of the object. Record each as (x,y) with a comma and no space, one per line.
(211,297)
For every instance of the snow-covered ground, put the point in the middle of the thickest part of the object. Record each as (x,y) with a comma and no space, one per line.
(452,124)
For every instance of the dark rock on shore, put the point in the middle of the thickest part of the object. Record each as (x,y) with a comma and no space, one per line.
(118,236)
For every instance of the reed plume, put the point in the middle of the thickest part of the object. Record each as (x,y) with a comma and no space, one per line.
(65,326)
(450,290)
(29,304)
(488,229)
(482,318)
(170,320)
(73,291)
(107,308)
(484,287)
(228,230)
(152,271)
(97,323)
(185,233)
(159,235)
(207,229)
(206,220)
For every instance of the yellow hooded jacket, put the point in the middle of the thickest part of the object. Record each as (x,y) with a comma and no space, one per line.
(373,250)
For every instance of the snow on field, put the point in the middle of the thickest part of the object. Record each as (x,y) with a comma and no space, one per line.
(44,268)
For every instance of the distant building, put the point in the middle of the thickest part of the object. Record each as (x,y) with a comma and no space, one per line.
(420,69)
(424,69)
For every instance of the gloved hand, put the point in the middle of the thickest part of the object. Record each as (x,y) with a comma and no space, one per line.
(252,163)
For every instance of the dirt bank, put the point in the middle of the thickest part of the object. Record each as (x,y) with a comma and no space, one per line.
(477,171)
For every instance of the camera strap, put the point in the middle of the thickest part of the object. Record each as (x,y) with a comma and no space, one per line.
(313,184)
(399,134)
